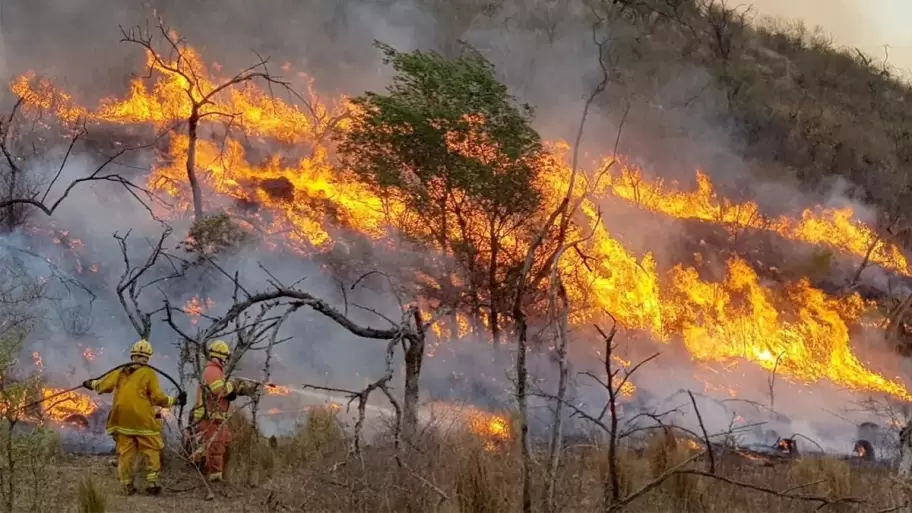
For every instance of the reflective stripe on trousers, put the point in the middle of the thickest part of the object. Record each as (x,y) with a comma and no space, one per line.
(129,447)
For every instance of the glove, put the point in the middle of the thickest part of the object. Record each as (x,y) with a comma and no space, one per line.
(246,388)
(88,384)
(240,387)
(182,399)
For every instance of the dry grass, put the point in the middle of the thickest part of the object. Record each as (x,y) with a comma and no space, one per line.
(313,470)
(313,467)
(91,498)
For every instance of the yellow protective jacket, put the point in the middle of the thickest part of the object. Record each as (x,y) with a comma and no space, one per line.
(136,392)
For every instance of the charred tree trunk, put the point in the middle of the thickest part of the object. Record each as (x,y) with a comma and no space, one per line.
(414,357)
(11,217)
(196,192)
(864,263)
(905,459)
(494,315)
(10,467)
(895,330)
(557,423)
(523,405)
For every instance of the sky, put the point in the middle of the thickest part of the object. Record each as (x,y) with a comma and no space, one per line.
(866,24)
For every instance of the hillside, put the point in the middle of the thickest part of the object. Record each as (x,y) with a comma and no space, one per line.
(627,245)
(799,107)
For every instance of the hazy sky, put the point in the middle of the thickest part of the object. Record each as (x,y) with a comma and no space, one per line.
(866,24)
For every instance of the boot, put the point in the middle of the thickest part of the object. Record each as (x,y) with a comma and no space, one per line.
(153,488)
(215,477)
(128,489)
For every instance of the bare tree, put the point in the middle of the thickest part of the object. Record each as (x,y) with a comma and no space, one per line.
(200,97)
(131,283)
(23,191)
(560,309)
(771,381)
(410,332)
(555,230)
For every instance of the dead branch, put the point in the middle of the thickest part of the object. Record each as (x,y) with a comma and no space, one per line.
(820,500)
(362,397)
(39,200)
(267,376)
(620,504)
(772,381)
(129,287)
(709,449)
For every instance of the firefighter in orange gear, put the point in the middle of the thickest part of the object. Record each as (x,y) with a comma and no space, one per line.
(210,411)
(131,420)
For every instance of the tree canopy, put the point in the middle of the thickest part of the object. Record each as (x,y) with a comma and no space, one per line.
(456,157)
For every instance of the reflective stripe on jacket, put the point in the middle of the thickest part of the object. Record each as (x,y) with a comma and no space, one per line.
(212,403)
(136,393)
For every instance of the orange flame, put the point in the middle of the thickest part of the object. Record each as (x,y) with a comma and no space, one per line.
(66,405)
(272,389)
(798,330)
(195,308)
(835,228)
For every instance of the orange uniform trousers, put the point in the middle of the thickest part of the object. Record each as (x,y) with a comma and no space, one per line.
(215,437)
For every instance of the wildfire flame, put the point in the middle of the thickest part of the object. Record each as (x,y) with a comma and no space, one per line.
(272,389)
(89,354)
(60,408)
(493,430)
(836,228)
(798,330)
(196,307)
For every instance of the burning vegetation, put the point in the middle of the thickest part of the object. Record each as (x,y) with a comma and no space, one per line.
(306,202)
(512,246)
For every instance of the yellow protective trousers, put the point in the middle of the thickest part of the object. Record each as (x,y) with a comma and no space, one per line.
(129,447)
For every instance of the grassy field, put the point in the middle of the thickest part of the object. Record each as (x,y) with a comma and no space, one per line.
(313,470)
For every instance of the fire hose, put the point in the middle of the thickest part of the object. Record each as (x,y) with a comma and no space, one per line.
(73,389)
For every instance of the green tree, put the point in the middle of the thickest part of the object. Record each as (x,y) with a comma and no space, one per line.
(456,160)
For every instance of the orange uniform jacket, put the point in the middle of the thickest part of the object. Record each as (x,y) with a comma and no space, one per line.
(212,403)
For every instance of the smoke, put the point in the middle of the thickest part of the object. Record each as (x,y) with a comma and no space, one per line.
(669,122)
(868,26)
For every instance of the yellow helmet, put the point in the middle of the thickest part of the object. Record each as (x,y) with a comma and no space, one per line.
(219,349)
(141,348)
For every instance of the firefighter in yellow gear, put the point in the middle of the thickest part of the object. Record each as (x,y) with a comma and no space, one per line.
(131,420)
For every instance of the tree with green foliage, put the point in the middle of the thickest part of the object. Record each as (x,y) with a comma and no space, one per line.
(456,160)
(26,451)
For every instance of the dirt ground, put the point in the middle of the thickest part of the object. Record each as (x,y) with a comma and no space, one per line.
(183,490)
